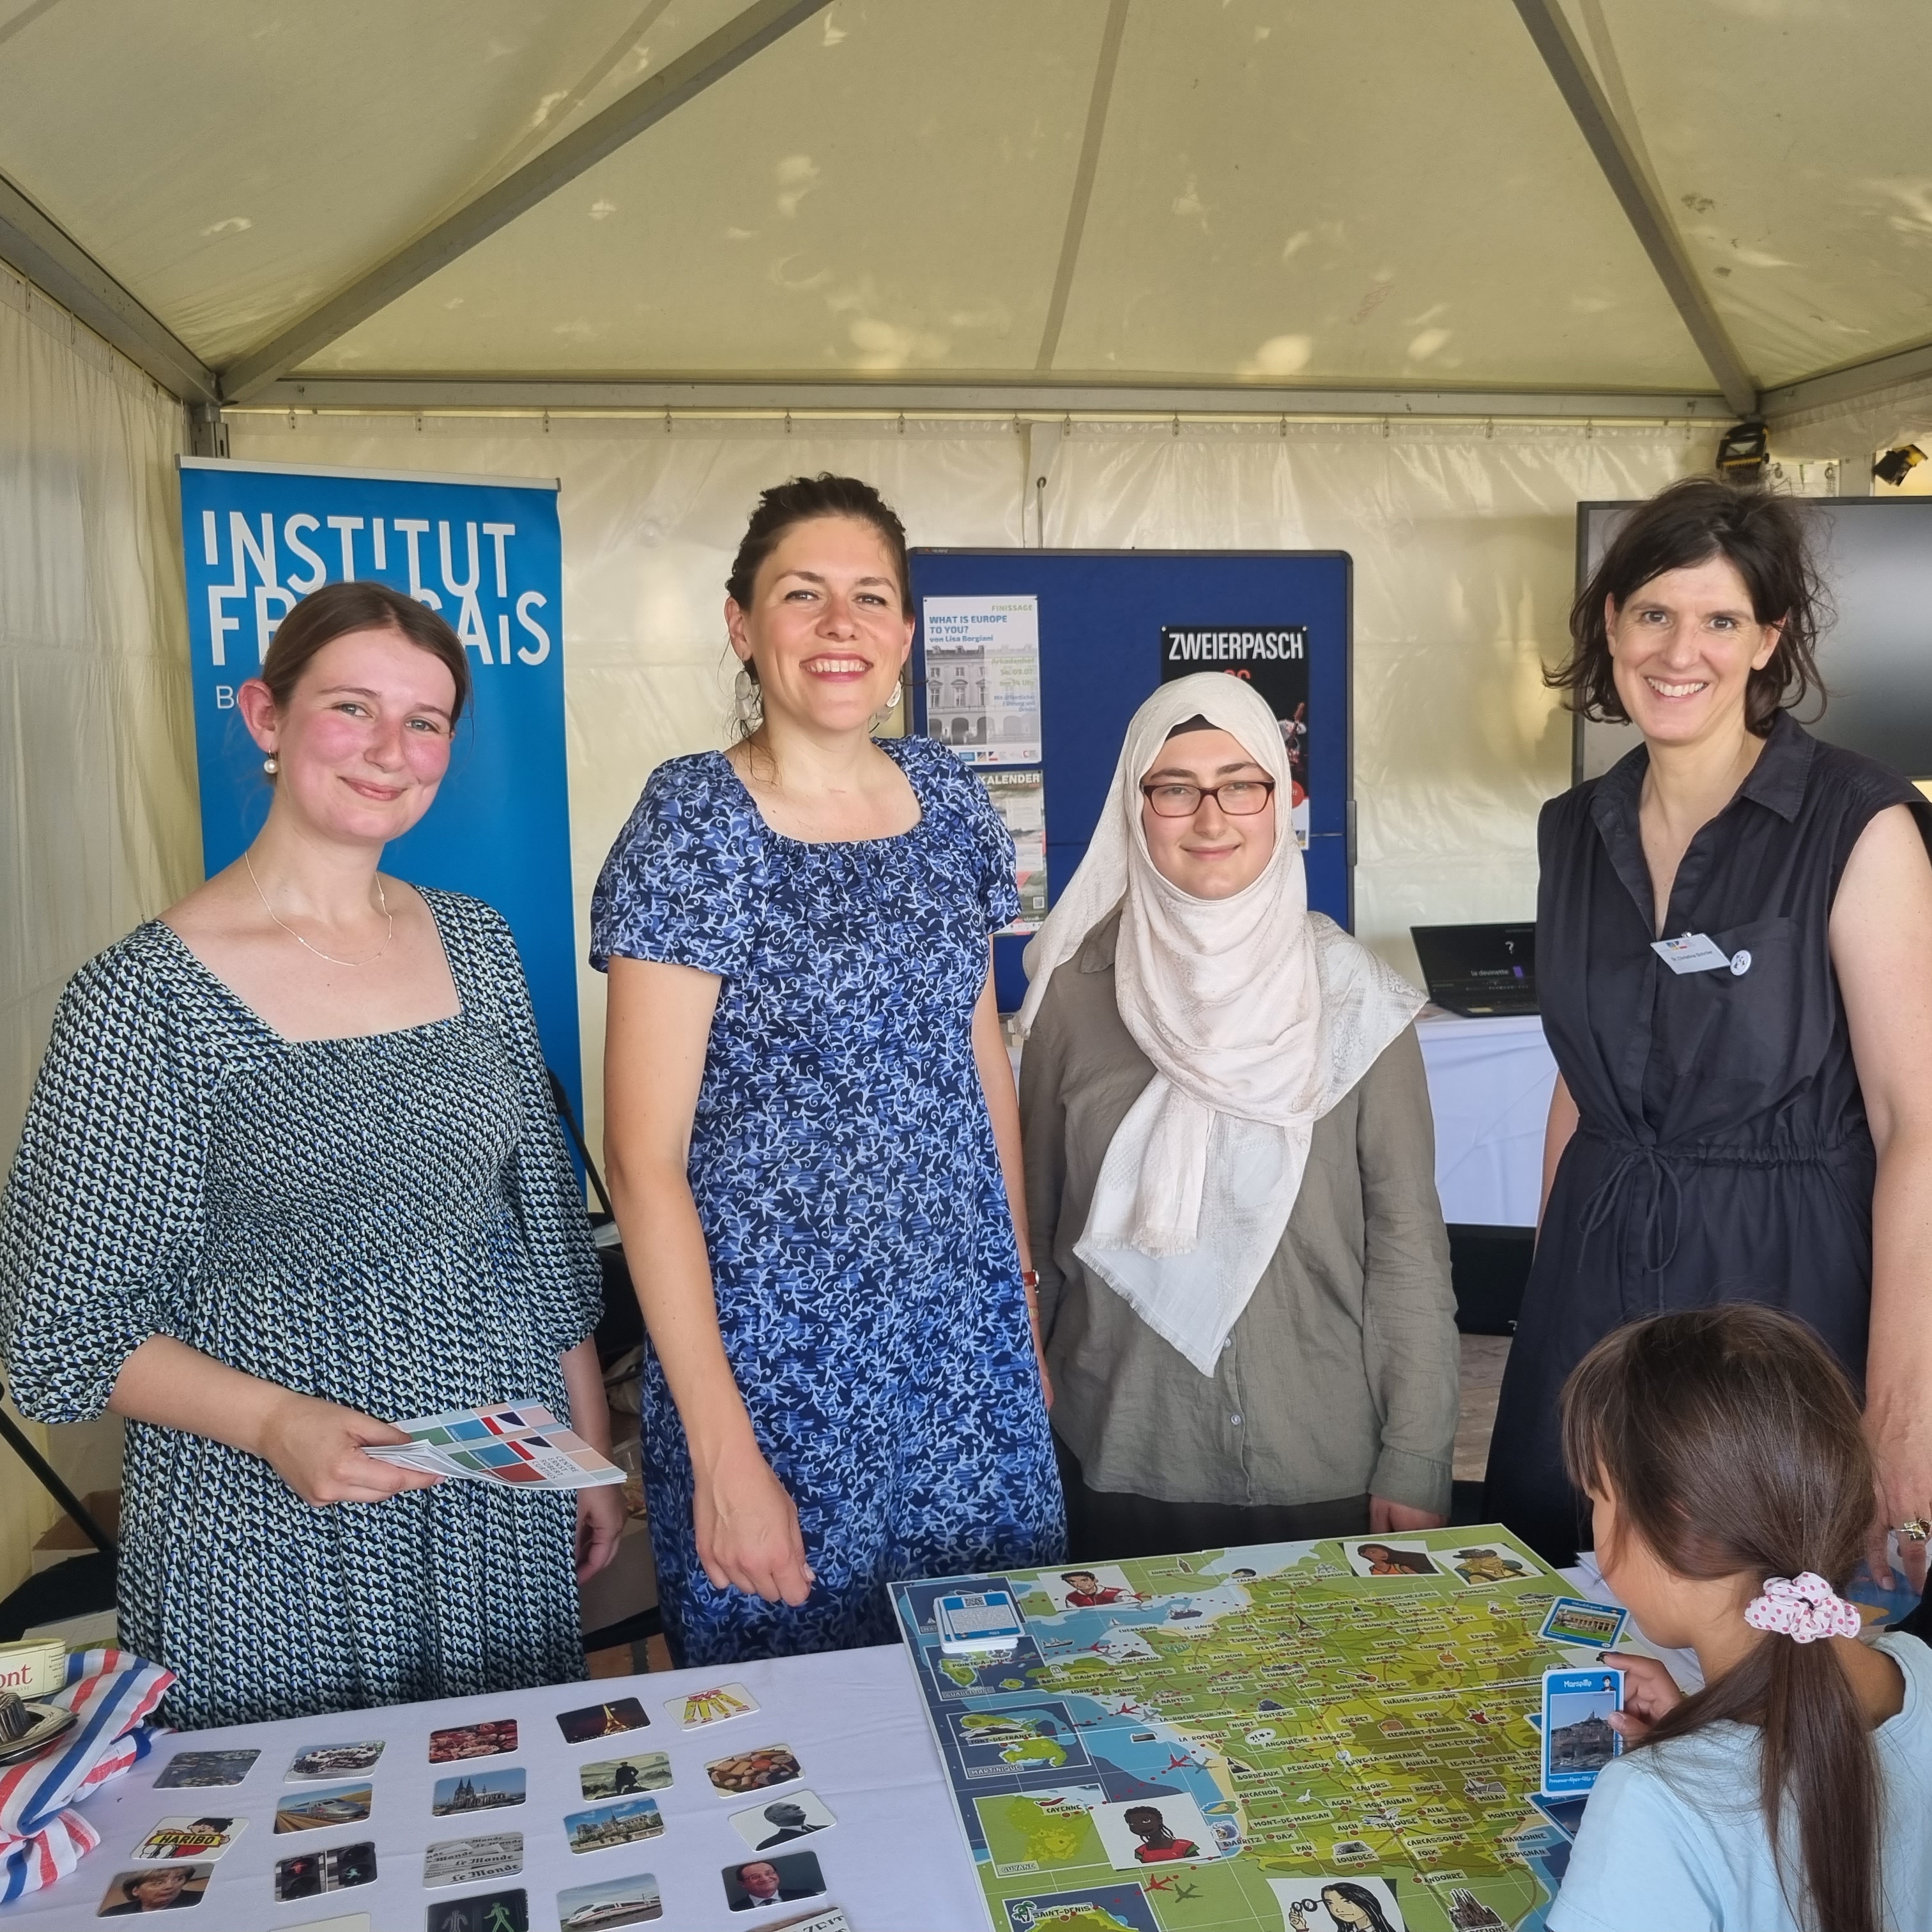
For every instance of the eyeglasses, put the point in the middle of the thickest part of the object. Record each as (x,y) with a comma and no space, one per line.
(1239,798)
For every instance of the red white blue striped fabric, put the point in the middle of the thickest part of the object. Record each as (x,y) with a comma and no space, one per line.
(110,1692)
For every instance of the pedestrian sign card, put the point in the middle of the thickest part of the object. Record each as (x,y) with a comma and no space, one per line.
(1213,1739)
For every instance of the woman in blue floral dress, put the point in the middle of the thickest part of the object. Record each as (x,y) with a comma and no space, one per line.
(811,1129)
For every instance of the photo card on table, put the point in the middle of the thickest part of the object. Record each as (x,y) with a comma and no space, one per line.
(314,1761)
(316,1810)
(133,1894)
(624,1777)
(1309,1904)
(484,1912)
(717,1704)
(496,1738)
(471,1791)
(1480,1566)
(337,1868)
(1576,1622)
(204,1770)
(797,1815)
(754,1770)
(1388,1556)
(473,1861)
(1098,1587)
(185,1840)
(611,1902)
(1166,1830)
(625,1822)
(780,1879)
(601,1720)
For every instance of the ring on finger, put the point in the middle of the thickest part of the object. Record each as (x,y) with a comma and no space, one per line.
(1915,1529)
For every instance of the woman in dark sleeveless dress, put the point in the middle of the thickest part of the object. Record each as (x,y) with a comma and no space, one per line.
(1750,1119)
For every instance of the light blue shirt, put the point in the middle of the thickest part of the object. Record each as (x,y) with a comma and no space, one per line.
(1674,1840)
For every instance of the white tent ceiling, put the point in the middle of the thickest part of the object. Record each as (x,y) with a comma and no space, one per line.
(1275,199)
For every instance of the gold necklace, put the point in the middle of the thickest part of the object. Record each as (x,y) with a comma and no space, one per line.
(382,899)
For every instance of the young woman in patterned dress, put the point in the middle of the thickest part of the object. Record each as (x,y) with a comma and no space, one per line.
(290,1172)
(811,1133)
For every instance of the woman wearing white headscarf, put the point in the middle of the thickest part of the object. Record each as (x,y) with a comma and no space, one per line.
(1244,1277)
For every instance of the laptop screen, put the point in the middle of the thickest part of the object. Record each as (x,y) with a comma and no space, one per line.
(1479,969)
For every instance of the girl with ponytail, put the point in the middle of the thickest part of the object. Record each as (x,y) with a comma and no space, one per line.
(1722,1453)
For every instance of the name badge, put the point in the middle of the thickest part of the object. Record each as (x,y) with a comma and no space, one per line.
(1698,952)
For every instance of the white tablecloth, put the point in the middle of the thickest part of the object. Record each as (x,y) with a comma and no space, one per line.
(896,1860)
(1489,1083)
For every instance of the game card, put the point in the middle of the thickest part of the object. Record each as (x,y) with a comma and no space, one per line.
(771,1881)
(312,1810)
(477,1791)
(1577,1739)
(158,1889)
(612,1901)
(1098,1588)
(824,1918)
(1164,1831)
(474,1861)
(1586,1625)
(198,1770)
(1370,1557)
(308,1874)
(764,1827)
(493,1739)
(334,1760)
(1318,1903)
(717,1705)
(622,1823)
(754,1770)
(485,1911)
(601,1720)
(973,1622)
(1483,1564)
(623,1777)
(190,1838)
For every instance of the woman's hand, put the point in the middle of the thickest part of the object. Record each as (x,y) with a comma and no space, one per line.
(1649,1691)
(1384,1516)
(1901,1447)
(316,1447)
(601,1517)
(747,1524)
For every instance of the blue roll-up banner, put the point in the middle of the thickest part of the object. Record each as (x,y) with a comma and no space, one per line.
(486,554)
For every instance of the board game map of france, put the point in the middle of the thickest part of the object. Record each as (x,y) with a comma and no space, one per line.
(1297,1737)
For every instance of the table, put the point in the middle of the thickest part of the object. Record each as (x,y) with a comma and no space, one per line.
(895,1859)
(1489,1084)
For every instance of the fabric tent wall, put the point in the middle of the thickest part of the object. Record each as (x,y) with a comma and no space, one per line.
(96,758)
(1463,538)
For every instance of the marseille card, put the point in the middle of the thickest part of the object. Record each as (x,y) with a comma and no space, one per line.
(622,1823)
(308,1874)
(492,1739)
(1577,1739)
(477,1791)
(624,1777)
(771,1881)
(158,1889)
(611,1901)
(601,1720)
(190,1838)
(711,1706)
(194,1770)
(334,1804)
(754,1770)
(334,1760)
(486,1911)
(765,1827)
(1573,1620)
(474,1861)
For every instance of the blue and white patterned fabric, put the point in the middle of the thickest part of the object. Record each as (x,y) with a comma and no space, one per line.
(843,1165)
(389,1222)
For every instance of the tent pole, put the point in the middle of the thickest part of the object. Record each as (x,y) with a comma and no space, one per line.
(1577,84)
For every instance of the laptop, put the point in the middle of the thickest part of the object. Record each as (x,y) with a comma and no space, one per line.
(1479,971)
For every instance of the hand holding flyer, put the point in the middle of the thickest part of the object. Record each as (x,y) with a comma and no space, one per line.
(518,1443)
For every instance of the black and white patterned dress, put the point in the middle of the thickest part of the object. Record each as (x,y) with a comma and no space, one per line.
(388,1221)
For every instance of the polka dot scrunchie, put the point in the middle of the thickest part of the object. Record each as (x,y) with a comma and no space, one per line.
(1805,1607)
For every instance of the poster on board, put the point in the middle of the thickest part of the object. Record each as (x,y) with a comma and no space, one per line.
(1274,660)
(1020,798)
(982,677)
(486,552)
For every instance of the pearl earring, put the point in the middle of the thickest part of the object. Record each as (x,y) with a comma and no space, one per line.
(271,764)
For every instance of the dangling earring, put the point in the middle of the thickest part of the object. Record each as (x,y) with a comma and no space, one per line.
(891,705)
(749,700)
(271,764)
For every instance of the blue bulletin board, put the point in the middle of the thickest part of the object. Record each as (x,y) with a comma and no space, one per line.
(1109,620)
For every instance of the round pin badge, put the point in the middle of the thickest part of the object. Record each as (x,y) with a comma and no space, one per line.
(1740,962)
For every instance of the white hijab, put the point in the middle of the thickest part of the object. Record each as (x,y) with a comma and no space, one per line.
(1259,1016)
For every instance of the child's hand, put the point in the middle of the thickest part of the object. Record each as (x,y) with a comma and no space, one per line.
(1649,1691)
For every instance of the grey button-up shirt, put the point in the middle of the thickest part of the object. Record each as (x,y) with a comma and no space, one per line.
(1341,1377)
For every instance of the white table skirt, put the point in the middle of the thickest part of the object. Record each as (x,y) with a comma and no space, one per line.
(1489,1084)
(896,1859)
